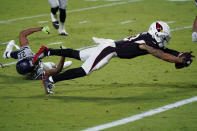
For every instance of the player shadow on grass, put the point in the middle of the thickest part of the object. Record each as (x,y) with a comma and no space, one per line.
(112,98)
(13,79)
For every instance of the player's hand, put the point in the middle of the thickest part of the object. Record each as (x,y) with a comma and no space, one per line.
(186,60)
(46,29)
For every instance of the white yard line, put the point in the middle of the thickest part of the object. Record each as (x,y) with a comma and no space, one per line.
(126,22)
(7,64)
(170,22)
(181,28)
(56,43)
(142,115)
(4,43)
(71,11)
(83,22)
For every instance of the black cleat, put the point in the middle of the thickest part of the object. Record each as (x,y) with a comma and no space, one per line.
(56,24)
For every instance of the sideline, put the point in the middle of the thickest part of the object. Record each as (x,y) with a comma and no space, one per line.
(142,115)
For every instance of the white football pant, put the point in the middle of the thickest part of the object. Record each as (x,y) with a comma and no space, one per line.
(61,3)
(96,57)
(194,36)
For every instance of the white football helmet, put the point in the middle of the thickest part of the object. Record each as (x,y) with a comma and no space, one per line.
(160,31)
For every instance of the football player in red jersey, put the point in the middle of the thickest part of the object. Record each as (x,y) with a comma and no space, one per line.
(153,42)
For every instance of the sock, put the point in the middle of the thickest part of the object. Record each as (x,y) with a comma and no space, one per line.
(54,10)
(66,52)
(62,15)
(69,74)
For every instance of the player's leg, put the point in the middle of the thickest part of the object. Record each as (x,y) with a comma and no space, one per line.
(194,34)
(62,9)
(97,60)
(76,54)
(54,8)
(86,53)
(8,51)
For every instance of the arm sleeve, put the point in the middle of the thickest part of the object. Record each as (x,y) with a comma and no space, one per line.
(172,52)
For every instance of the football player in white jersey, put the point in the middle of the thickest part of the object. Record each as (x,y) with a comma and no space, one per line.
(61,6)
(153,42)
(25,65)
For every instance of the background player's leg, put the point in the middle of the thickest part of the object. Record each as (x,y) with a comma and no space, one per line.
(54,8)
(62,9)
(194,34)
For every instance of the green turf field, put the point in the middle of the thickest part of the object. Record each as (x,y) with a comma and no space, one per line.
(121,89)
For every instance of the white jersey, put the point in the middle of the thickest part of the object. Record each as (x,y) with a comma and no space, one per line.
(25,52)
(61,3)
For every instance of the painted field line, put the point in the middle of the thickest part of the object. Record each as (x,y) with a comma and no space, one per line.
(181,28)
(83,22)
(7,64)
(126,22)
(71,11)
(4,43)
(56,43)
(142,115)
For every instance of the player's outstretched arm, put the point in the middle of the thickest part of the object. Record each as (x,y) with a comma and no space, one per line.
(23,34)
(57,69)
(161,54)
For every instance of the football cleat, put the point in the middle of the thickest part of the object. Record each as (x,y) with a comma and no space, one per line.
(55,24)
(54,20)
(8,49)
(47,85)
(63,32)
(43,52)
(67,64)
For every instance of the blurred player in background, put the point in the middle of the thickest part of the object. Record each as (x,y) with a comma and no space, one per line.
(194,34)
(151,42)
(61,6)
(25,56)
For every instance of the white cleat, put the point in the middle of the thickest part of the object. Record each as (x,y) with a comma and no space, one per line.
(62,32)
(67,64)
(8,49)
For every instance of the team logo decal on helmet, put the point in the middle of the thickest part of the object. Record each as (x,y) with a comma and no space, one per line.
(159,27)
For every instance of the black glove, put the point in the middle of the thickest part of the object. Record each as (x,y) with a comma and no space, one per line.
(186,58)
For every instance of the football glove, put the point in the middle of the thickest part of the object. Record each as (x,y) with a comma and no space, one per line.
(186,58)
(46,29)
